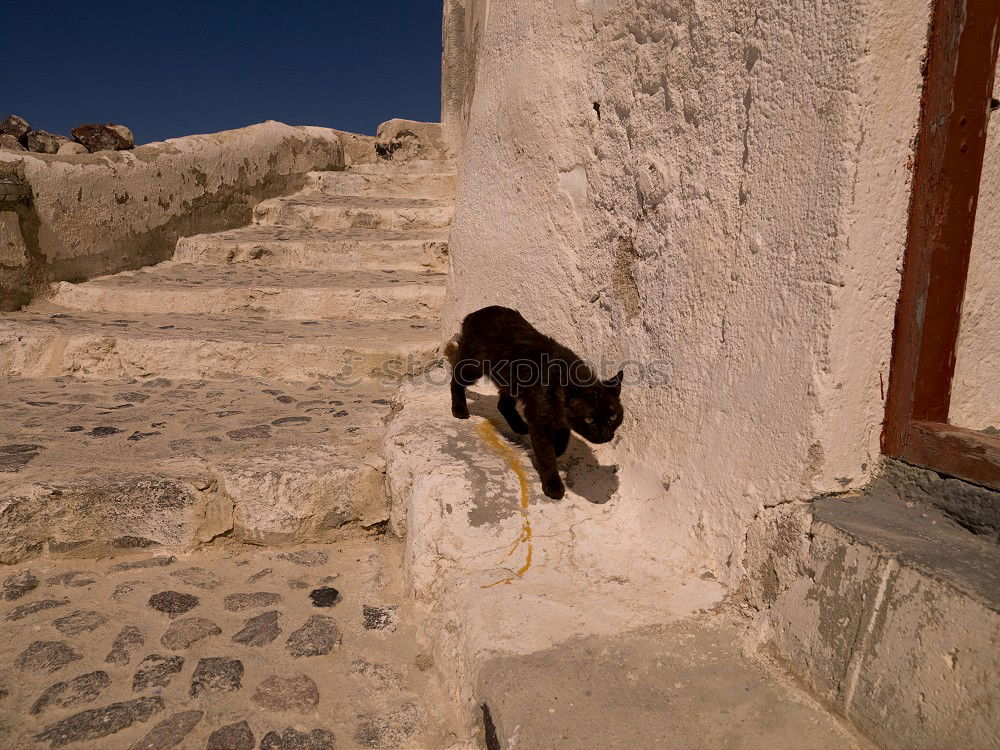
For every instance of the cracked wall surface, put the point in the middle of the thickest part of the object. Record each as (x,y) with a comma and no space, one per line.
(719,188)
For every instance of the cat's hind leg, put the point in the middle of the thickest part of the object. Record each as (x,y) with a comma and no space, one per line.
(508,407)
(463,374)
(459,406)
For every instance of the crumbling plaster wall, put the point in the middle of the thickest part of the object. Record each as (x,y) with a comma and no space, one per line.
(719,186)
(110,211)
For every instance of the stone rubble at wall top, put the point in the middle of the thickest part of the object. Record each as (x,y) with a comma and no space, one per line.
(17,135)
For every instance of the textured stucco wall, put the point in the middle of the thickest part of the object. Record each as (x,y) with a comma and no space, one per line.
(975,392)
(464,21)
(110,211)
(718,185)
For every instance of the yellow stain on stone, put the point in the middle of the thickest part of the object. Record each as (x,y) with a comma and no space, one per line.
(489,435)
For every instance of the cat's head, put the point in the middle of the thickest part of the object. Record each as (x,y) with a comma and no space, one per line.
(594,411)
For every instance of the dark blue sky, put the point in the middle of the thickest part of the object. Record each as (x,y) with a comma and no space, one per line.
(177,67)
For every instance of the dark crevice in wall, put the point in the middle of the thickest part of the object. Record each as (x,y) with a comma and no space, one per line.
(492,741)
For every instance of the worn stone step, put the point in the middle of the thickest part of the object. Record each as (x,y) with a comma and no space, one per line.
(883,605)
(100,465)
(315,210)
(325,249)
(410,166)
(687,685)
(178,462)
(399,184)
(190,289)
(48,341)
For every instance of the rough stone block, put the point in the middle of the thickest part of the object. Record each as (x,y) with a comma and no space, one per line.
(402,140)
(93,513)
(44,142)
(888,611)
(14,126)
(107,137)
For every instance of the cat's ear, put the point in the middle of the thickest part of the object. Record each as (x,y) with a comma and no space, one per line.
(616,381)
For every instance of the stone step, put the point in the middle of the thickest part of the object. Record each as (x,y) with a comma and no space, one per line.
(688,685)
(441,185)
(91,466)
(411,166)
(191,289)
(47,340)
(318,211)
(883,605)
(340,250)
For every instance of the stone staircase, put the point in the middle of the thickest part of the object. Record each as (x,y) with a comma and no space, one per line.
(234,394)
(236,389)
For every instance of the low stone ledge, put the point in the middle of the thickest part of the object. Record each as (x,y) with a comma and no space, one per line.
(888,611)
(85,463)
(100,517)
(94,214)
(689,684)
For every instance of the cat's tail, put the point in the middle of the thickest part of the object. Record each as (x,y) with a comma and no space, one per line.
(451,350)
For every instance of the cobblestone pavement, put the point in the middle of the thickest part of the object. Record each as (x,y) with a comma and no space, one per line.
(232,648)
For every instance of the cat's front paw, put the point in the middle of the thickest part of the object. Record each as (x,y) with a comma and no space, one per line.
(554,489)
(460,412)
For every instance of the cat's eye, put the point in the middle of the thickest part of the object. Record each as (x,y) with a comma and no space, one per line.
(589,420)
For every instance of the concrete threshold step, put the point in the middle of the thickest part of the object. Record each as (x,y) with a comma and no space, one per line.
(318,211)
(547,614)
(323,249)
(687,685)
(222,648)
(442,185)
(186,288)
(887,610)
(411,166)
(91,467)
(47,340)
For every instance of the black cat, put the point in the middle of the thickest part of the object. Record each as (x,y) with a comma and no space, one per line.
(556,389)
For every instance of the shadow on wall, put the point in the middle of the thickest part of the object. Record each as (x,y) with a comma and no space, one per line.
(22,271)
(580,468)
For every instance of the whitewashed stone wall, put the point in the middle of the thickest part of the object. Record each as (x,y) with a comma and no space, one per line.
(720,186)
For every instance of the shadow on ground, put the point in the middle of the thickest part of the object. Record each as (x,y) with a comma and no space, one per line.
(578,465)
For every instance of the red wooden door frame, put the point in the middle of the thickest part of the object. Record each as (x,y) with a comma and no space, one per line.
(961,60)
